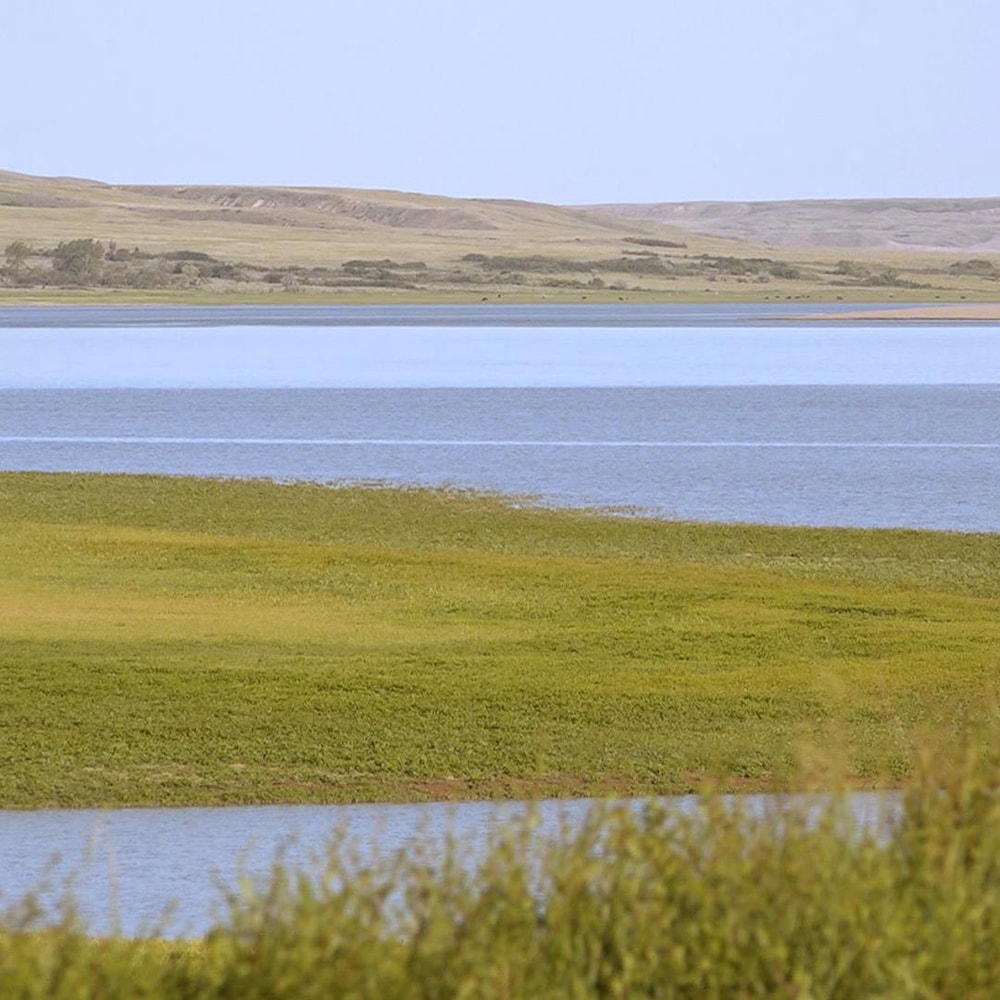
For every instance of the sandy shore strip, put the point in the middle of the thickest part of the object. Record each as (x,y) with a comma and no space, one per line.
(976,312)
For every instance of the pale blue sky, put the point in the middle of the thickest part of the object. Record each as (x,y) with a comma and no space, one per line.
(567,102)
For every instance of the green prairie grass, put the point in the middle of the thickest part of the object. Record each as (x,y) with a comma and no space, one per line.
(179,641)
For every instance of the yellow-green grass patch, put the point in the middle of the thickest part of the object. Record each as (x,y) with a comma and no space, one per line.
(181,640)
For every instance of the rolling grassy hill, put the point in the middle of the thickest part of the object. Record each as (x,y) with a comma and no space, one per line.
(202,243)
(970,225)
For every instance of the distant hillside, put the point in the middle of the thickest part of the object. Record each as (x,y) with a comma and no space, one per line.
(229,218)
(63,238)
(971,224)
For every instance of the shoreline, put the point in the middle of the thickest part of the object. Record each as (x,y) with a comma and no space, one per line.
(952,312)
(806,306)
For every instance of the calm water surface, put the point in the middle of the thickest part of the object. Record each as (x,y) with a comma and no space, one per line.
(887,426)
(918,456)
(478,357)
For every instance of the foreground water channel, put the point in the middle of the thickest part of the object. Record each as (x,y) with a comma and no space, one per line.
(719,413)
(164,871)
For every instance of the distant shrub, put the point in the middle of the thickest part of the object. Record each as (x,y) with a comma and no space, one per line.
(645,241)
(193,255)
(779,269)
(539,264)
(851,269)
(16,255)
(366,265)
(975,265)
(739,266)
(80,261)
(890,278)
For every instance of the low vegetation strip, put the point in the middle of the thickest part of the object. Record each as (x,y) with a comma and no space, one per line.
(629,904)
(87,266)
(182,641)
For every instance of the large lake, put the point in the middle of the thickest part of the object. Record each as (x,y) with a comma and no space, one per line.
(677,411)
(720,412)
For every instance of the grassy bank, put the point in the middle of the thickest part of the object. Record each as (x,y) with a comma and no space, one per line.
(170,640)
(506,295)
(717,904)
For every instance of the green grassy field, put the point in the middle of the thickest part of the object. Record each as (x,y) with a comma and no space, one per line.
(170,640)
